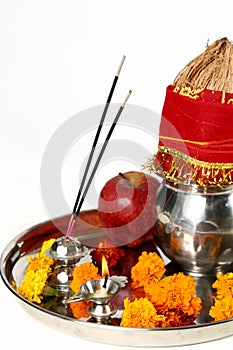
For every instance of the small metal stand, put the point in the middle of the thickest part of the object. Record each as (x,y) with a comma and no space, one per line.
(100,292)
(66,253)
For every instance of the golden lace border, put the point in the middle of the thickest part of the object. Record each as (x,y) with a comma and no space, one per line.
(181,168)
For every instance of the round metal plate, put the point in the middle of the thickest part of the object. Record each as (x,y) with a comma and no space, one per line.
(89,228)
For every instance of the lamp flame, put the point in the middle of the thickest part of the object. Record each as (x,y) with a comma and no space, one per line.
(105,271)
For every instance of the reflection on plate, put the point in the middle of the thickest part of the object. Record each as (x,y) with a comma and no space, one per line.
(13,263)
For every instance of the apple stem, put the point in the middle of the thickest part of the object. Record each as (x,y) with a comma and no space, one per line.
(122,176)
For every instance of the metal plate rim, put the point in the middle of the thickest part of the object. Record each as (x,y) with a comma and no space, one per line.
(124,336)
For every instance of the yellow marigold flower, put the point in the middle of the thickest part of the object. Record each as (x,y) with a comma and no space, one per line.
(140,313)
(46,245)
(149,269)
(83,273)
(36,274)
(39,262)
(176,292)
(33,285)
(223,298)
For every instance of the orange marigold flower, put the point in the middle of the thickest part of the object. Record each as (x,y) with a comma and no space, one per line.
(222,309)
(176,292)
(140,313)
(83,273)
(149,269)
(111,253)
(223,298)
(178,318)
(79,309)
(224,284)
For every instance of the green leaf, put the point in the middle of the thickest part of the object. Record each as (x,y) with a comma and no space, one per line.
(49,291)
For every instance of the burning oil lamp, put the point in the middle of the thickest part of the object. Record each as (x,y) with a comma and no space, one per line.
(100,292)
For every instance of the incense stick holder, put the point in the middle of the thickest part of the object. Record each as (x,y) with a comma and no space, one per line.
(66,253)
(100,292)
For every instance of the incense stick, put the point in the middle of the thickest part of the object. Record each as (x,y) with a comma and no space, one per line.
(75,215)
(72,220)
(98,132)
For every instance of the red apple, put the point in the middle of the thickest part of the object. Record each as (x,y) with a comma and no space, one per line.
(127,208)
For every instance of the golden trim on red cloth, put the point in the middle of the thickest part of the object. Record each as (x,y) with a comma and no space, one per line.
(180,167)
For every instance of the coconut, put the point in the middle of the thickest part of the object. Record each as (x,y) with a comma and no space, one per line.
(212,69)
(195,137)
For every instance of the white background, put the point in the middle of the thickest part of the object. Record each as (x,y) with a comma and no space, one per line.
(58,58)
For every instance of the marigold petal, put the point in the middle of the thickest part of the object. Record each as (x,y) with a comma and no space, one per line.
(149,268)
(140,313)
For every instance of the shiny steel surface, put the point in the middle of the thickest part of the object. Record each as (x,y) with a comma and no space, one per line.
(195,227)
(13,263)
(89,291)
(100,292)
(67,250)
(66,253)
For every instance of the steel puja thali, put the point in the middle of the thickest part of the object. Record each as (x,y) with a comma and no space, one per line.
(13,264)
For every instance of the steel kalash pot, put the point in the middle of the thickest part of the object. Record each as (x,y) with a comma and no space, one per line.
(194,228)
(195,156)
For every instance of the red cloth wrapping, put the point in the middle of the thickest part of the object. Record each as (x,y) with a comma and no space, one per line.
(199,125)
(196,137)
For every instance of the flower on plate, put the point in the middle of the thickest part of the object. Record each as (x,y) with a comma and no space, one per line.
(140,313)
(223,298)
(36,274)
(81,274)
(178,318)
(79,309)
(111,253)
(149,269)
(173,297)
(174,293)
